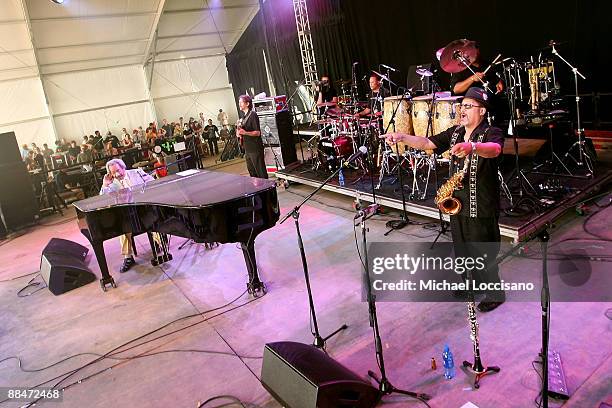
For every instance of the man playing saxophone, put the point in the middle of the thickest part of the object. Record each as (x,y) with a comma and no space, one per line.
(474,211)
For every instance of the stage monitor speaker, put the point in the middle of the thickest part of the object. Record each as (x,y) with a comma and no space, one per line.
(62,266)
(277,131)
(9,149)
(301,376)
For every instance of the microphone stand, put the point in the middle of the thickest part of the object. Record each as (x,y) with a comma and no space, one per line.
(403,221)
(545,304)
(584,159)
(319,341)
(384,386)
(444,225)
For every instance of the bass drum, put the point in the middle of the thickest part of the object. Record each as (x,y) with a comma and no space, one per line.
(420,114)
(447,113)
(330,151)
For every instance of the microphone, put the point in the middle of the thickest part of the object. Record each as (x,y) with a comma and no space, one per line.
(368,211)
(359,153)
(389,68)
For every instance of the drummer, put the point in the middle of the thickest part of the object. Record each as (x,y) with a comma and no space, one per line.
(377,96)
(464,80)
(328,96)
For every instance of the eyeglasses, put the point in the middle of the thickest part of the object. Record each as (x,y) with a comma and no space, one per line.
(468,106)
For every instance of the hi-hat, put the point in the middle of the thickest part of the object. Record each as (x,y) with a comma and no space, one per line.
(424,72)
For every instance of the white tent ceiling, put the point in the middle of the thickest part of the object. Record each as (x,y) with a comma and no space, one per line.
(39,36)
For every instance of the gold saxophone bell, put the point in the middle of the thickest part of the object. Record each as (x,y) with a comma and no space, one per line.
(444,197)
(450,206)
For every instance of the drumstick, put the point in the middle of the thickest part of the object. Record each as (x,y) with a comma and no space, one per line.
(493,63)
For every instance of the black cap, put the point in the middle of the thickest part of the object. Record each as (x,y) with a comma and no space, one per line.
(480,95)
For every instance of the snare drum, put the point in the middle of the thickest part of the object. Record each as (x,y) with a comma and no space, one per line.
(447,113)
(420,114)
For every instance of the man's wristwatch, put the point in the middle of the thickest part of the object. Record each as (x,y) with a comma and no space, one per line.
(473,147)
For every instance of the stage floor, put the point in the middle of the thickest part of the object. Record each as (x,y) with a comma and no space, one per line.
(518,228)
(219,352)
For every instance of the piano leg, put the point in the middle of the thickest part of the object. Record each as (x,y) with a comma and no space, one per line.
(254,286)
(107,279)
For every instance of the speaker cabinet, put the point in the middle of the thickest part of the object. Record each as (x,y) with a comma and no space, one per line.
(277,132)
(9,149)
(301,376)
(18,205)
(62,266)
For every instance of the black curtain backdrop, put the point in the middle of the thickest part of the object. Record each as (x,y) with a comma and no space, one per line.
(402,33)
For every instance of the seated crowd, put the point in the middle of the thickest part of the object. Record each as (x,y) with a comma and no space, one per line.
(94,147)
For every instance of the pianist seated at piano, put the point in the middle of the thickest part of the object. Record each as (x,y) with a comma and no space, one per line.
(117,177)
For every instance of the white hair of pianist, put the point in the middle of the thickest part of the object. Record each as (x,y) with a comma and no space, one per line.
(132,177)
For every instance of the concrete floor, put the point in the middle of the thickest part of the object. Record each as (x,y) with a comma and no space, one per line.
(218,352)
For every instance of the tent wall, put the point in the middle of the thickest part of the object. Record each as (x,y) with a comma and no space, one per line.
(113,98)
(187,87)
(23,110)
(103,99)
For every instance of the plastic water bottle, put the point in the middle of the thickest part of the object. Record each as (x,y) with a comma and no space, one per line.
(341,178)
(449,364)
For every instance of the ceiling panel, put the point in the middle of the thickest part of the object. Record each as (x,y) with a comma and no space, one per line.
(189,54)
(204,21)
(84,52)
(172,5)
(17,73)
(74,32)
(89,34)
(11,10)
(39,9)
(14,37)
(17,59)
(84,65)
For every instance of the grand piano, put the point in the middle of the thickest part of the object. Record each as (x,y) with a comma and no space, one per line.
(204,206)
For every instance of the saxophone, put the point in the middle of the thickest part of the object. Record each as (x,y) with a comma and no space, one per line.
(444,197)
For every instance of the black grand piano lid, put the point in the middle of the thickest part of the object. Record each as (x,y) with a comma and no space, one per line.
(201,189)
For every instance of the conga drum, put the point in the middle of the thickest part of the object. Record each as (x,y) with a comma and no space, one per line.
(403,117)
(446,113)
(420,114)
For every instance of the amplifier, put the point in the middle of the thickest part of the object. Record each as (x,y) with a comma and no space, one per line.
(270,105)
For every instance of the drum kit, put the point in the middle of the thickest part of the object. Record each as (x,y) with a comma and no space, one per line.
(530,87)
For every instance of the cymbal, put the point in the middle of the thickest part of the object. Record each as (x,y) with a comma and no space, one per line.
(323,104)
(384,78)
(424,72)
(323,122)
(449,60)
(343,82)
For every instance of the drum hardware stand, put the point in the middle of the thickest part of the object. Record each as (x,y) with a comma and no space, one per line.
(554,158)
(403,221)
(276,161)
(517,173)
(319,341)
(384,386)
(584,159)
